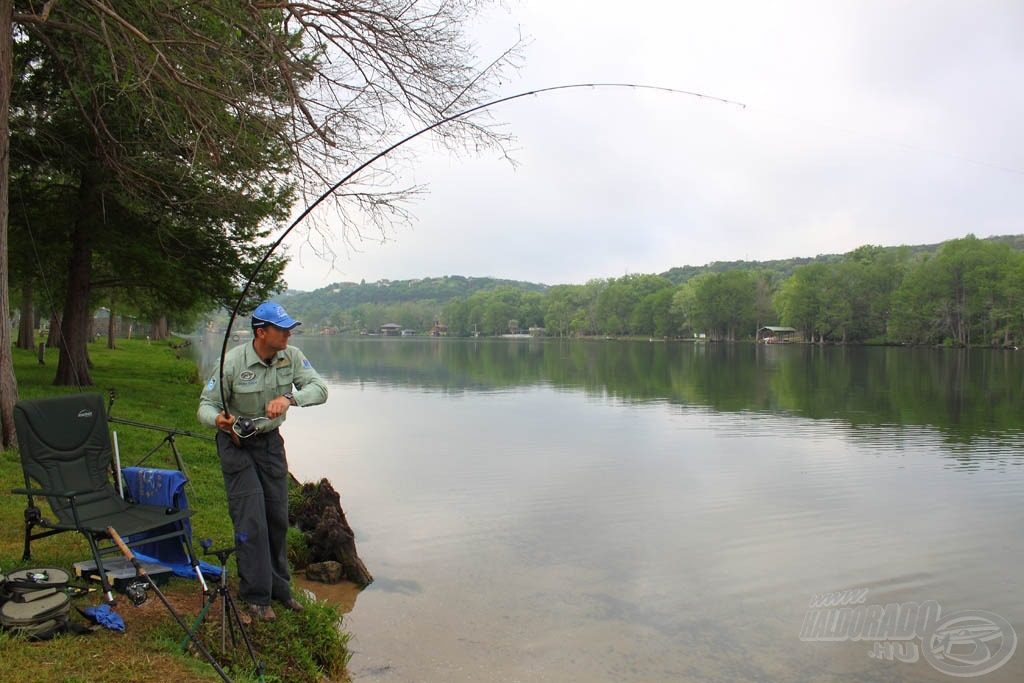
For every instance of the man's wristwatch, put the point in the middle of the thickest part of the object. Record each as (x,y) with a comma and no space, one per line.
(291,398)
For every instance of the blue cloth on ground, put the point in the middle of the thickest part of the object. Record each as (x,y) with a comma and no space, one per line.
(182,569)
(165,488)
(104,616)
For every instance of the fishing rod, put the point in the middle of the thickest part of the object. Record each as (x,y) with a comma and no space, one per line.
(412,136)
(140,572)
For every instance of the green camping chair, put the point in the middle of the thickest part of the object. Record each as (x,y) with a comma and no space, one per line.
(66,457)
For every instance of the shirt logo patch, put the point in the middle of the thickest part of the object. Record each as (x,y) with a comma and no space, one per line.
(247,375)
(306,364)
(212,384)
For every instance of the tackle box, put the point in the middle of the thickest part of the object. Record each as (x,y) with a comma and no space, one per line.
(121,572)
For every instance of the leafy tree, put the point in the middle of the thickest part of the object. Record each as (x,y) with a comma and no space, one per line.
(169,126)
(618,300)
(879,273)
(835,315)
(959,296)
(151,201)
(723,304)
(457,316)
(560,306)
(651,315)
(799,299)
(1012,313)
(684,305)
(493,311)
(765,286)
(8,382)
(844,301)
(584,322)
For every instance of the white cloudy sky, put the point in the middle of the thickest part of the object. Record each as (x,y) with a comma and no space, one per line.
(866,122)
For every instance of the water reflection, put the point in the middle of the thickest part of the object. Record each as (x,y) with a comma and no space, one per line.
(651,512)
(551,535)
(972,397)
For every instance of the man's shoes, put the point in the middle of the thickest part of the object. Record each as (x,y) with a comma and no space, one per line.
(293,604)
(261,612)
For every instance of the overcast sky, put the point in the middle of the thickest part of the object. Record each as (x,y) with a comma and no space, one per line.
(866,122)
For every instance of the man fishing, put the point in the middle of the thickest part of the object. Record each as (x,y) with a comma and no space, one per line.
(258,389)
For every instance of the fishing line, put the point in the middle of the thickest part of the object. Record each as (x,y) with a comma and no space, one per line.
(412,136)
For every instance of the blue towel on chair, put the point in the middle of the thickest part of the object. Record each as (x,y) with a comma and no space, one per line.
(165,488)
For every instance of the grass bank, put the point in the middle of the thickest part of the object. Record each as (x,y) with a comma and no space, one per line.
(155,385)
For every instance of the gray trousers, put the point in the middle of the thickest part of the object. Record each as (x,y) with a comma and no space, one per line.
(256,481)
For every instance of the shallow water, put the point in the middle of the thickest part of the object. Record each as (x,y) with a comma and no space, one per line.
(582,521)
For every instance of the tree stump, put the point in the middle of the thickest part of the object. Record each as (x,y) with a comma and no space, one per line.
(316,511)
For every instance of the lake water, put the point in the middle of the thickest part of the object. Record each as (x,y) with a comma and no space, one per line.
(634,511)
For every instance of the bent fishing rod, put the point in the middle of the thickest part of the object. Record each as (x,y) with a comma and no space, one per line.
(412,136)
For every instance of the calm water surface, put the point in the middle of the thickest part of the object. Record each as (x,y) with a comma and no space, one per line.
(665,512)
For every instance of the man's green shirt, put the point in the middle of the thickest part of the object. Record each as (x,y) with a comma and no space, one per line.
(251,384)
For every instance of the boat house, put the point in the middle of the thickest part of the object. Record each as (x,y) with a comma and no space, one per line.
(776,335)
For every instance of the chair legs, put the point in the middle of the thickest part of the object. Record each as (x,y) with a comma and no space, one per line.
(194,561)
(32,519)
(108,590)
(97,556)
(26,554)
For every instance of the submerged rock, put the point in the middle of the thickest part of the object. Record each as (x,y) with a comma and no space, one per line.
(325,572)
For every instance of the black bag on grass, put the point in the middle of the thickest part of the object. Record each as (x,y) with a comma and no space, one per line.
(34,603)
(34,579)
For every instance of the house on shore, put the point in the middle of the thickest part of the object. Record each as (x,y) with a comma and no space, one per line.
(776,335)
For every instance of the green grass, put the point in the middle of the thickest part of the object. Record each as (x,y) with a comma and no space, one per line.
(157,385)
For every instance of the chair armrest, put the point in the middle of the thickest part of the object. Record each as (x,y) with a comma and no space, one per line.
(47,492)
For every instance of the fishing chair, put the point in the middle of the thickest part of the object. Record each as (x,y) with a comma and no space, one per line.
(66,457)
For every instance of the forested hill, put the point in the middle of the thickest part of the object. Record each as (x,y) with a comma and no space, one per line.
(864,294)
(383,292)
(441,290)
(784,267)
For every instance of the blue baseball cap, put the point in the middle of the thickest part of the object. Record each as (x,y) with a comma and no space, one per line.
(269,313)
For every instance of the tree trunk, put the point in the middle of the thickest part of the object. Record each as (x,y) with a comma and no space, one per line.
(111,328)
(317,512)
(73,366)
(53,334)
(26,329)
(160,328)
(8,383)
